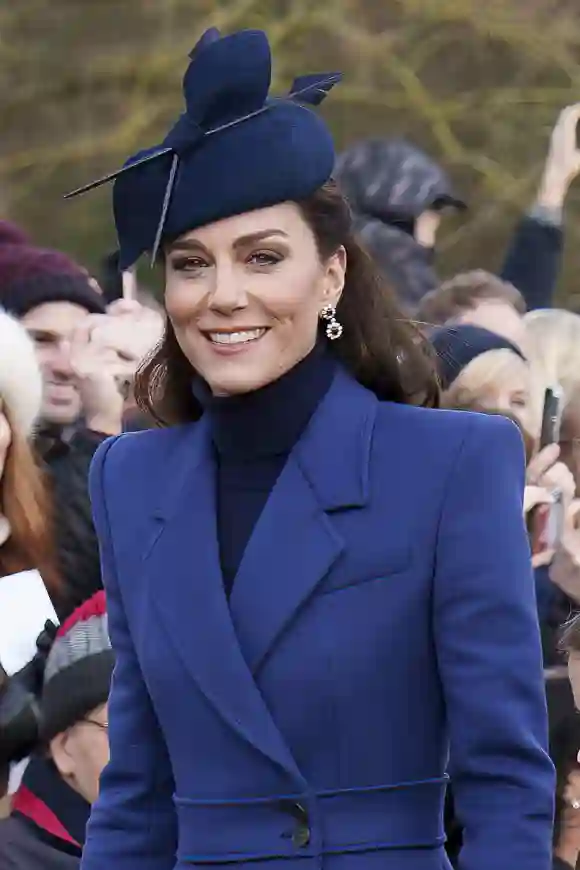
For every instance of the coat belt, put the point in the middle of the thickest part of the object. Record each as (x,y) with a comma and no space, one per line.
(400,816)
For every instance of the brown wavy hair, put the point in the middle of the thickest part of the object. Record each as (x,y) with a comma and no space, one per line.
(25,503)
(382,349)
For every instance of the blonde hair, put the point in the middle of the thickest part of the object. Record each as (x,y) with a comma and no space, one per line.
(553,346)
(481,374)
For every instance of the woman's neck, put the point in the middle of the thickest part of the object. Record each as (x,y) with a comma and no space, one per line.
(269,421)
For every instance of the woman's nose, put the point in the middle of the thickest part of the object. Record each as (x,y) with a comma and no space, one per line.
(228,292)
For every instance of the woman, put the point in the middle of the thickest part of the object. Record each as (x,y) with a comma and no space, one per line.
(483,371)
(302,624)
(25,539)
(480,367)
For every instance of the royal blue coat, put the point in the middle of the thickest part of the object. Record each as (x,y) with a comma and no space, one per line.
(381,631)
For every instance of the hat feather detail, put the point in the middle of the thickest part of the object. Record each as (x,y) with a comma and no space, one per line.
(312,89)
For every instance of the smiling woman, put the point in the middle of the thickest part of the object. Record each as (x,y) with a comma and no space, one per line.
(246,297)
(307,576)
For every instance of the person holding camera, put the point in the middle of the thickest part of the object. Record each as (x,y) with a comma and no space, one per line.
(87,354)
(50,810)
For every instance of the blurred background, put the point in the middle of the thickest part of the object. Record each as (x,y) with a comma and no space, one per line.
(477,85)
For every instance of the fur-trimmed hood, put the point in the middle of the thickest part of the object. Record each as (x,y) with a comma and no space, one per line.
(20,375)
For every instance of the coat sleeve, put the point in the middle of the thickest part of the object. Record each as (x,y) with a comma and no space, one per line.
(133,823)
(489,656)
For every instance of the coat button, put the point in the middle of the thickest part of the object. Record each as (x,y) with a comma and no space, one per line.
(301,835)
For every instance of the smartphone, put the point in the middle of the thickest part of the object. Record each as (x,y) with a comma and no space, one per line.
(551,417)
(547,521)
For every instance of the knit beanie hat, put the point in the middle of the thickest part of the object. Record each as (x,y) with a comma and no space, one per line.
(30,276)
(457,346)
(20,377)
(77,676)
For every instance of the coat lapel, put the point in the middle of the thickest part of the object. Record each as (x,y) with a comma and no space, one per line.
(294,544)
(182,566)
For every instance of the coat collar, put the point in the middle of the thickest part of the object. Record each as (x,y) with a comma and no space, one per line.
(293,547)
(333,453)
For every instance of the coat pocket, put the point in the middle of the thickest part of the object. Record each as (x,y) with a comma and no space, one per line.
(394,564)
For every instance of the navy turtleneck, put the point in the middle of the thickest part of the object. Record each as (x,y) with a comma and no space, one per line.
(253,435)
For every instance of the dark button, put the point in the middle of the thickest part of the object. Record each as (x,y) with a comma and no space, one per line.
(301,833)
(301,836)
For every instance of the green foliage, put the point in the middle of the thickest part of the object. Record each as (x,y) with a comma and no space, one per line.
(479,85)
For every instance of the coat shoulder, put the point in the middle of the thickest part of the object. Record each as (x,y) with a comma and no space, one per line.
(138,453)
(444,429)
(435,439)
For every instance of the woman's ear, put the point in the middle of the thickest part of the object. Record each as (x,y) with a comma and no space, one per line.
(335,277)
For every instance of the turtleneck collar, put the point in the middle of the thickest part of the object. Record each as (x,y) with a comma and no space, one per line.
(269,421)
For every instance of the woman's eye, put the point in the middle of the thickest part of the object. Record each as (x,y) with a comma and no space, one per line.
(188,264)
(265,258)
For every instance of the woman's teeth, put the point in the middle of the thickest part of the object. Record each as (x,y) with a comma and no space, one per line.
(235,337)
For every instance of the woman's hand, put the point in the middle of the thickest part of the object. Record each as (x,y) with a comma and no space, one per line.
(534,496)
(563,160)
(545,476)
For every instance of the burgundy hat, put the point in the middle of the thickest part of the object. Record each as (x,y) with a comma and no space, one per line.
(30,276)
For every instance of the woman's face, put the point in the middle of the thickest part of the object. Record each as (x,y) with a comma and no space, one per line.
(5,438)
(501,387)
(244,296)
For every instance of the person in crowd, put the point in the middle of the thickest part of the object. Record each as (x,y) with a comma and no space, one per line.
(553,338)
(566,753)
(50,810)
(25,525)
(477,365)
(478,298)
(553,344)
(57,302)
(291,576)
(484,372)
(51,296)
(394,188)
(481,370)
(26,534)
(398,195)
(534,258)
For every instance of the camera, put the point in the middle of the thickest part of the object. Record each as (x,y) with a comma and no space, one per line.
(20,694)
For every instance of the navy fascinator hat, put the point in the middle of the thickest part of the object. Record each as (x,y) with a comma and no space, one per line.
(234,148)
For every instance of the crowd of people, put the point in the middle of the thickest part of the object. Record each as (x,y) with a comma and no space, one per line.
(73,350)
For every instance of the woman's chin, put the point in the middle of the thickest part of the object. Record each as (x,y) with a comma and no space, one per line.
(238,383)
